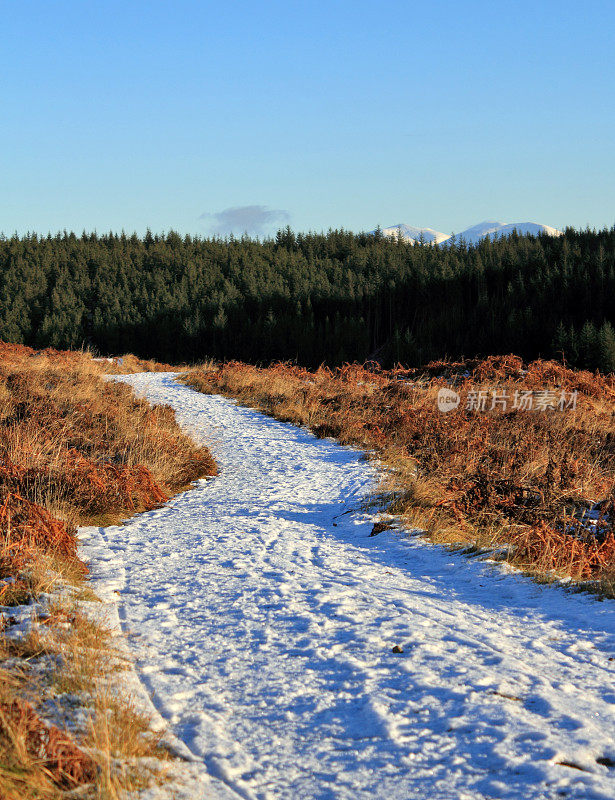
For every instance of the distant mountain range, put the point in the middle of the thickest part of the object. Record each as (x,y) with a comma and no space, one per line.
(472,235)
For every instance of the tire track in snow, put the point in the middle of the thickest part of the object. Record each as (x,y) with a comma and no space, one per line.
(264,633)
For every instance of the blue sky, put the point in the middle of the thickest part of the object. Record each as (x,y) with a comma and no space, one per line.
(207,116)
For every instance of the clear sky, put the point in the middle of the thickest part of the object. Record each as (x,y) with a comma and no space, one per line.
(207,116)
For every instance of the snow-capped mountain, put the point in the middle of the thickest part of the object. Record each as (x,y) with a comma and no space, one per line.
(477,232)
(471,235)
(411,234)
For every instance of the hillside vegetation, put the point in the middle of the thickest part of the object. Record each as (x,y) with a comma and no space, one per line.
(313,298)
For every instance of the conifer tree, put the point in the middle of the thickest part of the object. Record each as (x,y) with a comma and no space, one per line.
(607,347)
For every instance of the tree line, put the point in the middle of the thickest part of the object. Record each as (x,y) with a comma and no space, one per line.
(313,298)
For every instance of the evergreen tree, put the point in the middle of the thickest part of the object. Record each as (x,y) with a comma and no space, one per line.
(588,346)
(312,297)
(607,348)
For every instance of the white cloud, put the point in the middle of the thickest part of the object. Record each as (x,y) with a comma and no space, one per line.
(254,220)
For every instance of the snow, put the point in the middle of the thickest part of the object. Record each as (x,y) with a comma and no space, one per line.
(412,234)
(262,616)
(492,229)
(470,235)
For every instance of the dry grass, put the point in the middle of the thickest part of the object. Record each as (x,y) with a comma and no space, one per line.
(37,760)
(66,658)
(69,437)
(129,364)
(509,479)
(74,450)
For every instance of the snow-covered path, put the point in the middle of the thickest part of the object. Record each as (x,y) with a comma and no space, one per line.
(262,619)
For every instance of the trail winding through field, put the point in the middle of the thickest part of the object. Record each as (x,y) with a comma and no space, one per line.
(262,618)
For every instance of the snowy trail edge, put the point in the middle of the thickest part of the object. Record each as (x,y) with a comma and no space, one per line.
(263,633)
